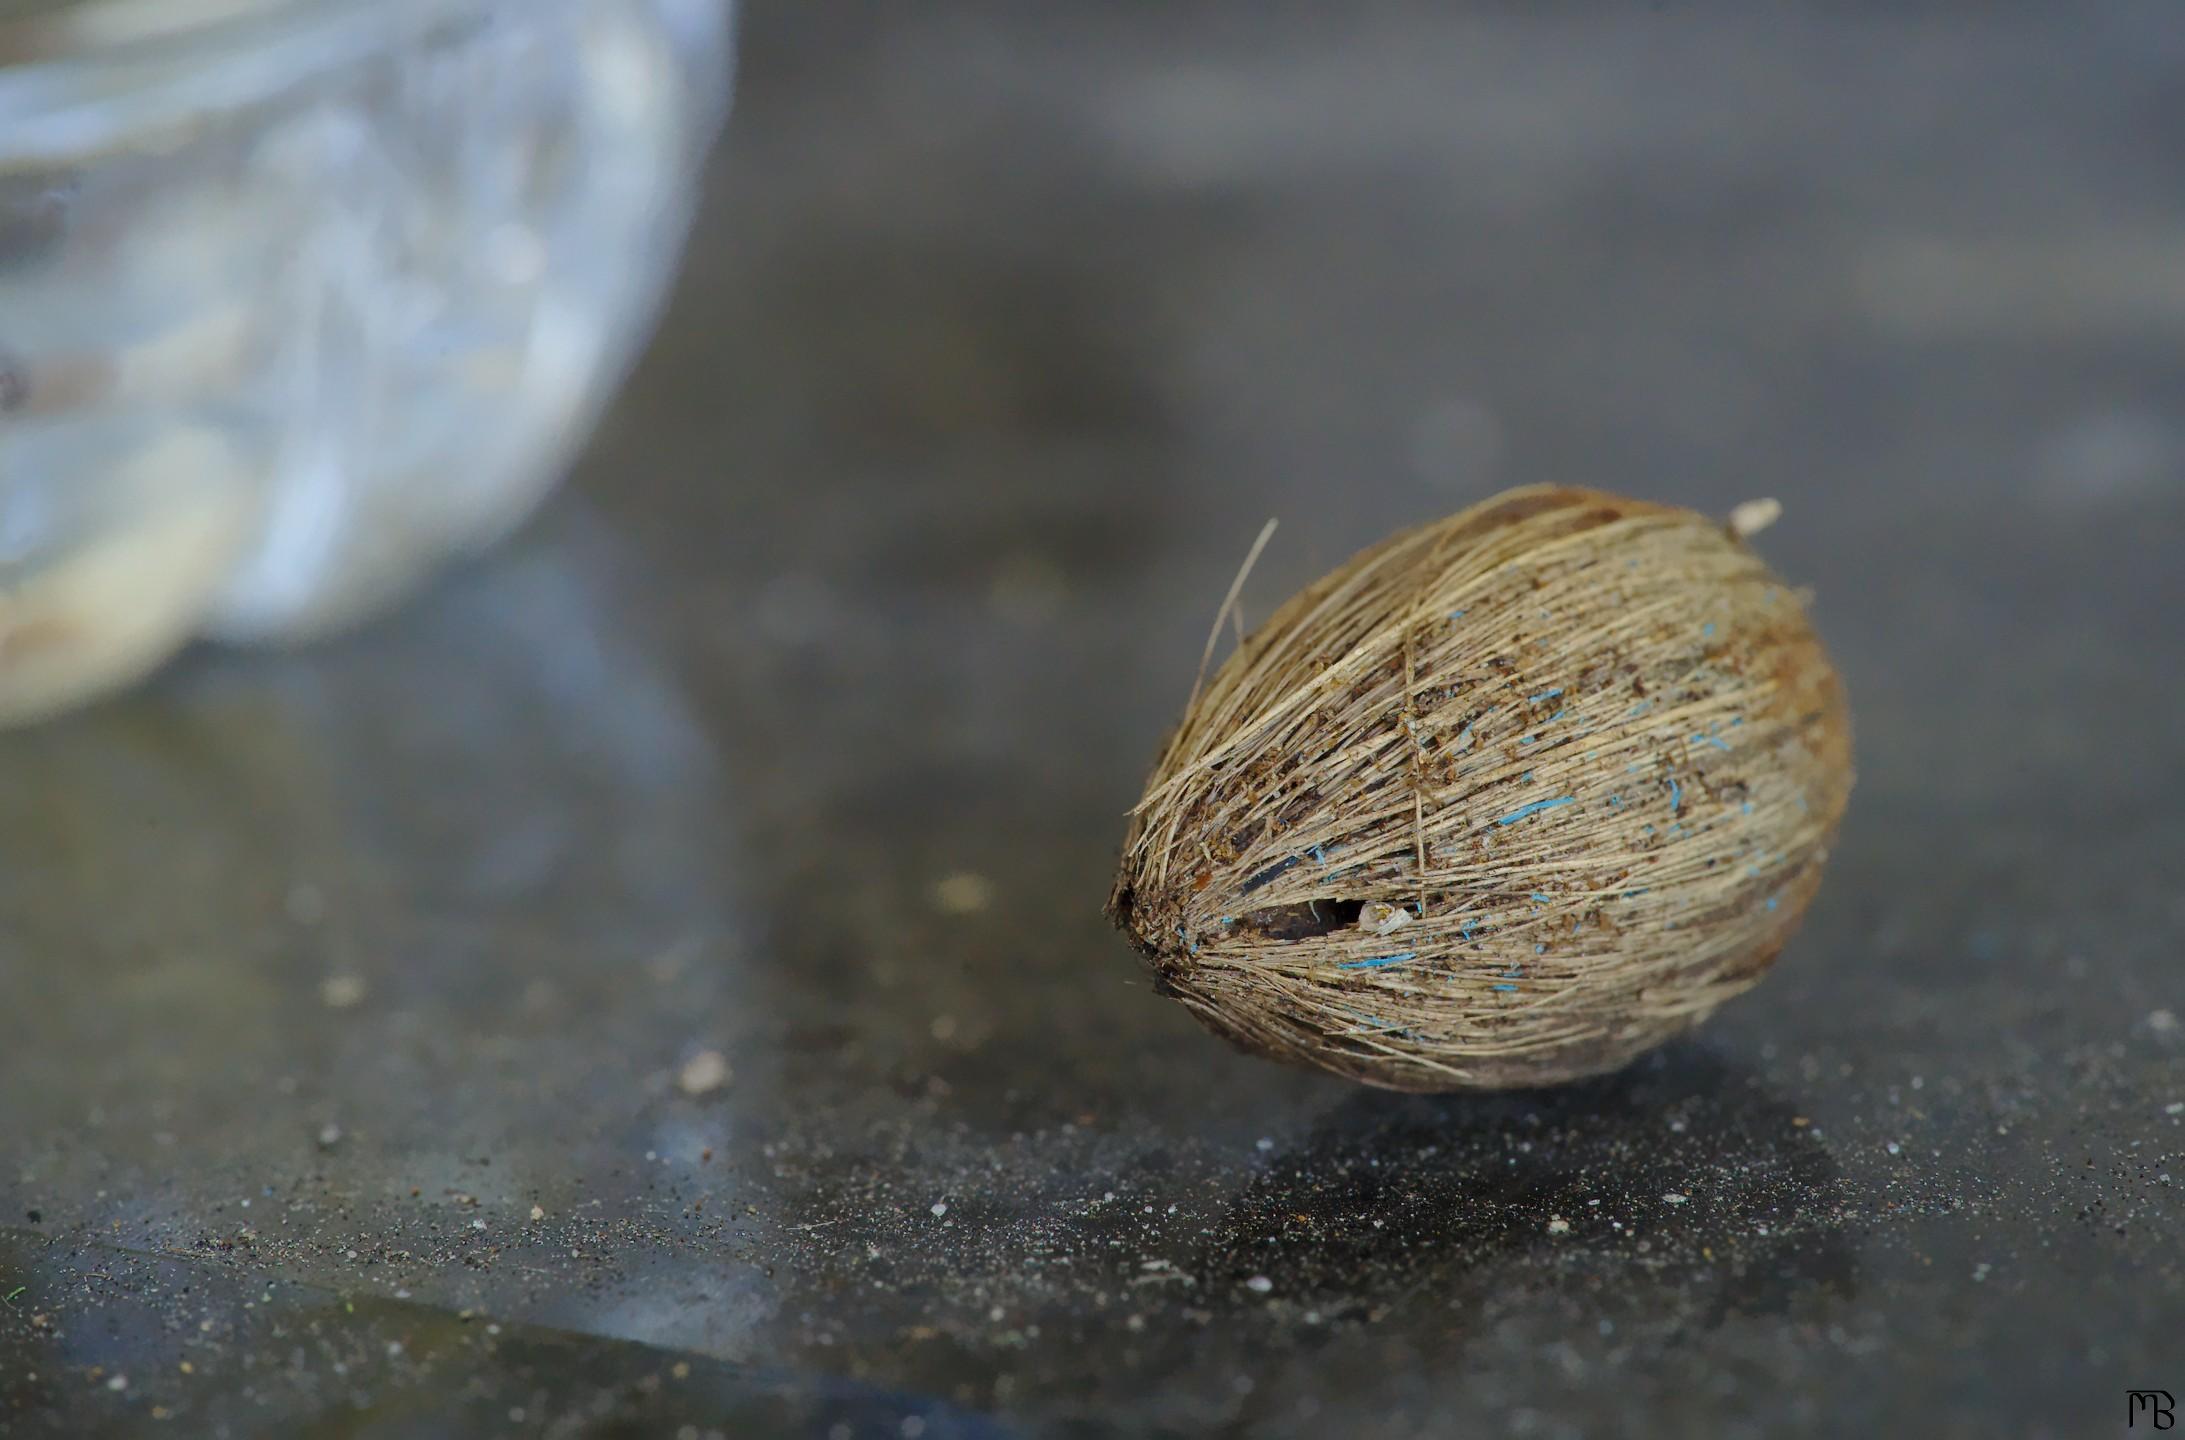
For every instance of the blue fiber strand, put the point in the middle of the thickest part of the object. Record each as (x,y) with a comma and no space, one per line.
(1538,805)
(1375,964)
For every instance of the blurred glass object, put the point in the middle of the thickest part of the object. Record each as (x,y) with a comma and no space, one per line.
(299,298)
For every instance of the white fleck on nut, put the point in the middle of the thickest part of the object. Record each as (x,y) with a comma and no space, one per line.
(1381,918)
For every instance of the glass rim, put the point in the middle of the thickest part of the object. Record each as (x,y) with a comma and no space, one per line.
(77,80)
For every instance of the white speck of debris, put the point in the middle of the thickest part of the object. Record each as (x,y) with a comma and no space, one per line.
(703,1073)
(1259,1284)
(1266,1142)
(2175,1107)
(394,1348)
(329,1135)
(1675,1199)
(1919,1082)
(1749,517)
(1980,1271)
(119,1382)
(477,1224)
(339,992)
(1107,1197)
(997,1315)
(537,1213)
(1135,1323)
(963,893)
(2162,1022)
(1557,1225)
(940,1208)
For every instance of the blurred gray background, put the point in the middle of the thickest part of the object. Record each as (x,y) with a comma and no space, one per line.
(348,997)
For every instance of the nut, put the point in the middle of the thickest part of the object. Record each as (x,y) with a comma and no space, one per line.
(1590,746)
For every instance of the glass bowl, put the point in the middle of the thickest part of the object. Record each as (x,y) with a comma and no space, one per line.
(301,298)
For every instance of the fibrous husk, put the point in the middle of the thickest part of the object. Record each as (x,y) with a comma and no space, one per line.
(1589,746)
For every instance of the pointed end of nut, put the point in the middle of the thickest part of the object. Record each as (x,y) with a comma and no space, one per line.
(1754,516)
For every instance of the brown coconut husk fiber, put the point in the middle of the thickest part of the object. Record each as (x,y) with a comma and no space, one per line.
(1504,800)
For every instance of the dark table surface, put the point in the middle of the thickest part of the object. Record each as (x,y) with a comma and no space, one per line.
(345,997)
